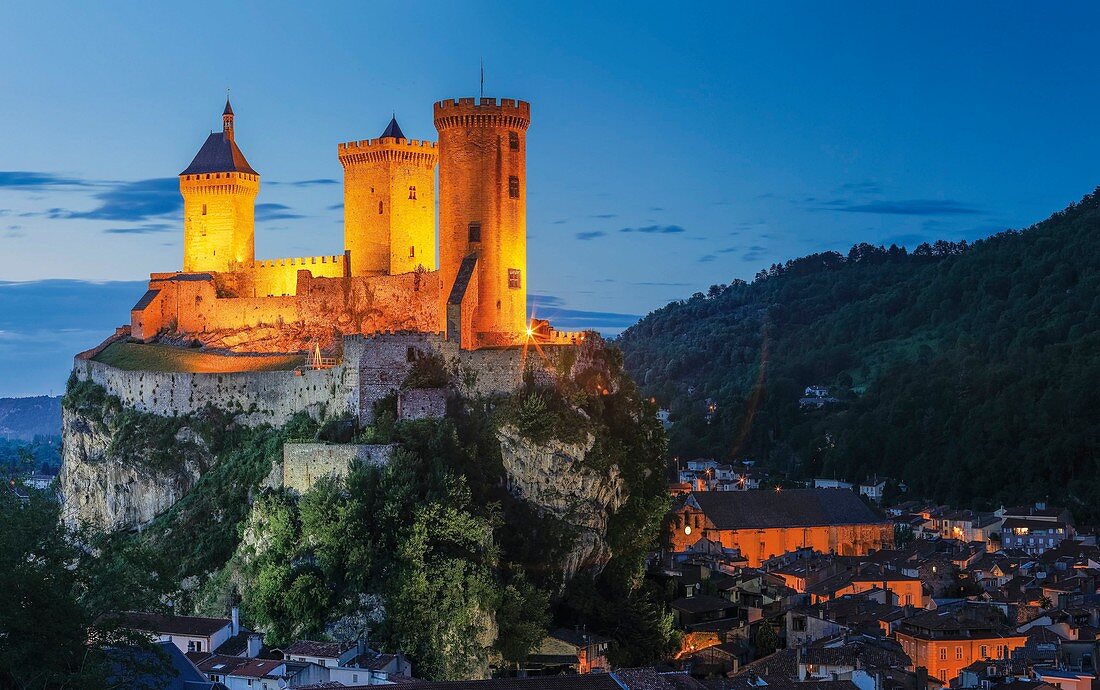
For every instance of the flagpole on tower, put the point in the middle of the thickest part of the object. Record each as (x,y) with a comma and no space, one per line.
(483,77)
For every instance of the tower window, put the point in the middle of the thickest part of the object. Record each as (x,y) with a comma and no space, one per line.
(412,192)
(204,209)
(379,207)
(474,231)
(513,278)
(513,141)
(513,187)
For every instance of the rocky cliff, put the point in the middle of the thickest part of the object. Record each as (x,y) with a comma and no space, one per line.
(120,469)
(552,476)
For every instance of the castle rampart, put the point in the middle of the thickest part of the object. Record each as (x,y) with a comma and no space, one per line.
(262,397)
(305,463)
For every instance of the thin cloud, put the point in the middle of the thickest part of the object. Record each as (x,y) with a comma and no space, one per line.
(140,229)
(604,215)
(903,207)
(336,207)
(655,229)
(268,212)
(590,235)
(306,183)
(135,201)
(26,180)
(707,258)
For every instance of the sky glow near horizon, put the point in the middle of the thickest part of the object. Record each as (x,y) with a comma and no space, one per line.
(669,150)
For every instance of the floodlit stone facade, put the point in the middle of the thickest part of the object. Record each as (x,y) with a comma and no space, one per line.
(388,277)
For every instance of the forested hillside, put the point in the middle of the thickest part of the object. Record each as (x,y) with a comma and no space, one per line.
(970,372)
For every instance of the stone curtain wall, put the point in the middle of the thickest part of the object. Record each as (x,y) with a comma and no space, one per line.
(270,397)
(305,463)
(372,368)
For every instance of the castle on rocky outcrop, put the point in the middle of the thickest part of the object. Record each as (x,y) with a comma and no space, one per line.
(469,286)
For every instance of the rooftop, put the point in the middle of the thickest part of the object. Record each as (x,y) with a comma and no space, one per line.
(219,154)
(790,508)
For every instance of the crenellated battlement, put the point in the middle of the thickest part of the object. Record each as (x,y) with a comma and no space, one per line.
(301,261)
(483,112)
(220,177)
(415,151)
(388,141)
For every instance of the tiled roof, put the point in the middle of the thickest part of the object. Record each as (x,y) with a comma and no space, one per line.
(328,650)
(701,603)
(219,153)
(791,508)
(172,625)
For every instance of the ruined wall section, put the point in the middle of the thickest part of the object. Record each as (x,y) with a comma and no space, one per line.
(279,277)
(321,310)
(384,362)
(305,463)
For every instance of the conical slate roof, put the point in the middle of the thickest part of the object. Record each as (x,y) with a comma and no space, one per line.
(228,108)
(393,130)
(219,154)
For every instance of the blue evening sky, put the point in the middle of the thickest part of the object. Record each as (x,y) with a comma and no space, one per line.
(672,146)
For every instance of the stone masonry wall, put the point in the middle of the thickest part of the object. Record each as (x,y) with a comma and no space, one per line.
(271,397)
(305,463)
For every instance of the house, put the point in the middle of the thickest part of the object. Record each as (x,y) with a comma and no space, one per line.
(1035,528)
(194,633)
(576,651)
(873,490)
(705,612)
(350,663)
(262,674)
(867,614)
(763,524)
(947,640)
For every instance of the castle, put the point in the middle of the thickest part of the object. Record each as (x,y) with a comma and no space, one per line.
(469,286)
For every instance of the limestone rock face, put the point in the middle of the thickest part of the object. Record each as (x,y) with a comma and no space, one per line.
(109,492)
(552,477)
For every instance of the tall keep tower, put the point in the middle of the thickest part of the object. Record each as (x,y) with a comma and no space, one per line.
(389,203)
(483,218)
(219,191)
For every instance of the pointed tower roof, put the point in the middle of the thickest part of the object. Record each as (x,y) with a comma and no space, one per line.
(393,130)
(220,153)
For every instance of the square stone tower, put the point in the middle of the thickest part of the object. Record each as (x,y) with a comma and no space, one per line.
(389,203)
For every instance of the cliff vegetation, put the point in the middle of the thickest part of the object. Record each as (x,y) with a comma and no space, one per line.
(455,552)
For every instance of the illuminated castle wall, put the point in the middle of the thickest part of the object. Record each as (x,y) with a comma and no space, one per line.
(386,279)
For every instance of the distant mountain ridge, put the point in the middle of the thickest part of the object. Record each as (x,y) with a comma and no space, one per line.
(970,372)
(24,418)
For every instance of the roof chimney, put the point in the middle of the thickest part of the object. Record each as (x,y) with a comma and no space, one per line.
(255,645)
(235,618)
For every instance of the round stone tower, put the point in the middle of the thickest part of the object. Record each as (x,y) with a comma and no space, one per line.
(219,191)
(389,203)
(483,219)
